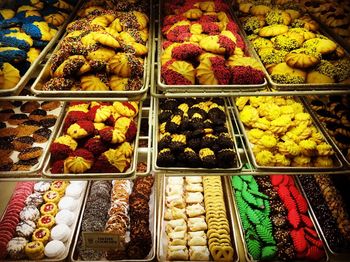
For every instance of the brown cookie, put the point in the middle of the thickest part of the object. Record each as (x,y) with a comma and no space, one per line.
(30,153)
(28,128)
(6,164)
(17,119)
(48,121)
(42,135)
(50,105)
(2,125)
(24,165)
(8,131)
(37,114)
(23,142)
(29,106)
(6,148)
(5,114)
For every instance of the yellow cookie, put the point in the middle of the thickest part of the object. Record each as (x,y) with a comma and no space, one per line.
(222,253)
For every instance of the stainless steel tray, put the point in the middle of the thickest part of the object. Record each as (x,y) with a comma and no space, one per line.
(44,75)
(338,162)
(248,257)
(317,224)
(31,70)
(330,139)
(298,87)
(202,88)
(152,219)
(34,172)
(73,227)
(161,253)
(188,169)
(127,174)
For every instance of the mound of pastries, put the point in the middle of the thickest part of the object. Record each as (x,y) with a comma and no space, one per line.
(103,50)
(46,220)
(25,31)
(196,223)
(25,127)
(96,137)
(329,201)
(290,45)
(334,14)
(282,133)
(275,219)
(334,114)
(193,133)
(203,46)
(122,208)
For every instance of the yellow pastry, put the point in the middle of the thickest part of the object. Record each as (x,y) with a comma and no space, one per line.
(254,135)
(301,161)
(284,74)
(281,124)
(323,161)
(281,160)
(265,158)
(93,83)
(273,30)
(288,148)
(121,64)
(9,76)
(308,147)
(46,221)
(41,234)
(260,10)
(101,54)
(315,77)
(300,118)
(302,58)
(52,197)
(323,46)
(249,115)
(270,111)
(35,250)
(324,149)
(241,102)
(262,123)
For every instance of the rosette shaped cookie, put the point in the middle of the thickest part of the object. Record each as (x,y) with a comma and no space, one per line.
(111,135)
(72,117)
(284,74)
(105,39)
(103,20)
(79,161)
(101,54)
(178,32)
(213,71)
(186,51)
(126,65)
(62,147)
(111,161)
(321,45)
(9,76)
(96,146)
(245,70)
(12,54)
(56,19)
(128,109)
(100,113)
(127,126)
(17,39)
(117,83)
(140,18)
(39,30)
(76,64)
(218,44)
(178,73)
(81,129)
(302,58)
(94,83)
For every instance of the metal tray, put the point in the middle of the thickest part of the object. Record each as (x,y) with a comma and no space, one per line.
(318,226)
(44,75)
(298,87)
(189,169)
(31,70)
(33,173)
(203,88)
(161,253)
(47,173)
(324,130)
(73,227)
(281,168)
(248,257)
(152,219)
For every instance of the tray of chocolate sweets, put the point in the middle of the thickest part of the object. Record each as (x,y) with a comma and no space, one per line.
(281,135)
(201,49)
(274,219)
(126,208)
(332,113)
(40,220)
(95,140)
(194,135)
(29,32)
(195,222)
(27,129)
(113,61)
(296,51)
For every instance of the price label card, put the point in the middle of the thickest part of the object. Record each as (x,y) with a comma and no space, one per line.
(101,240)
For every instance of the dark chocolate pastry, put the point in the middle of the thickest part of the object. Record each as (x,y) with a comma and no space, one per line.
(164,116)
(220,129)
(164,141)
(30,153)
(42,135)
(6,148)
(2,125)
(226,158)
(207,157)
(195,143)
(37,114)
(24,165)
(48,121)
(191,158)
(177,143)
(169,104)
(317,104)
(29,106)
(23,142)
(196,110)
(173,125)
(196,122)
(165,158)
(28,128)
(5,114)
(6,163)
(17,119)
(217,115)
(209,141)
(225,141)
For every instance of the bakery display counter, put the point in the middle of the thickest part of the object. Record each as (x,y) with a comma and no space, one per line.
(104,53)
(39,220)
(29,31)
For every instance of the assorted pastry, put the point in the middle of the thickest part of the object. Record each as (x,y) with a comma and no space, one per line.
(196,224)
(97,137)
(334,113)
(291,46)
(275,220)
(42,219)
(25,128)
(202,45)
(25,31)
(104,49)
(333,14)
(329,201)
(193,132)
(282,134)
(120,207)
